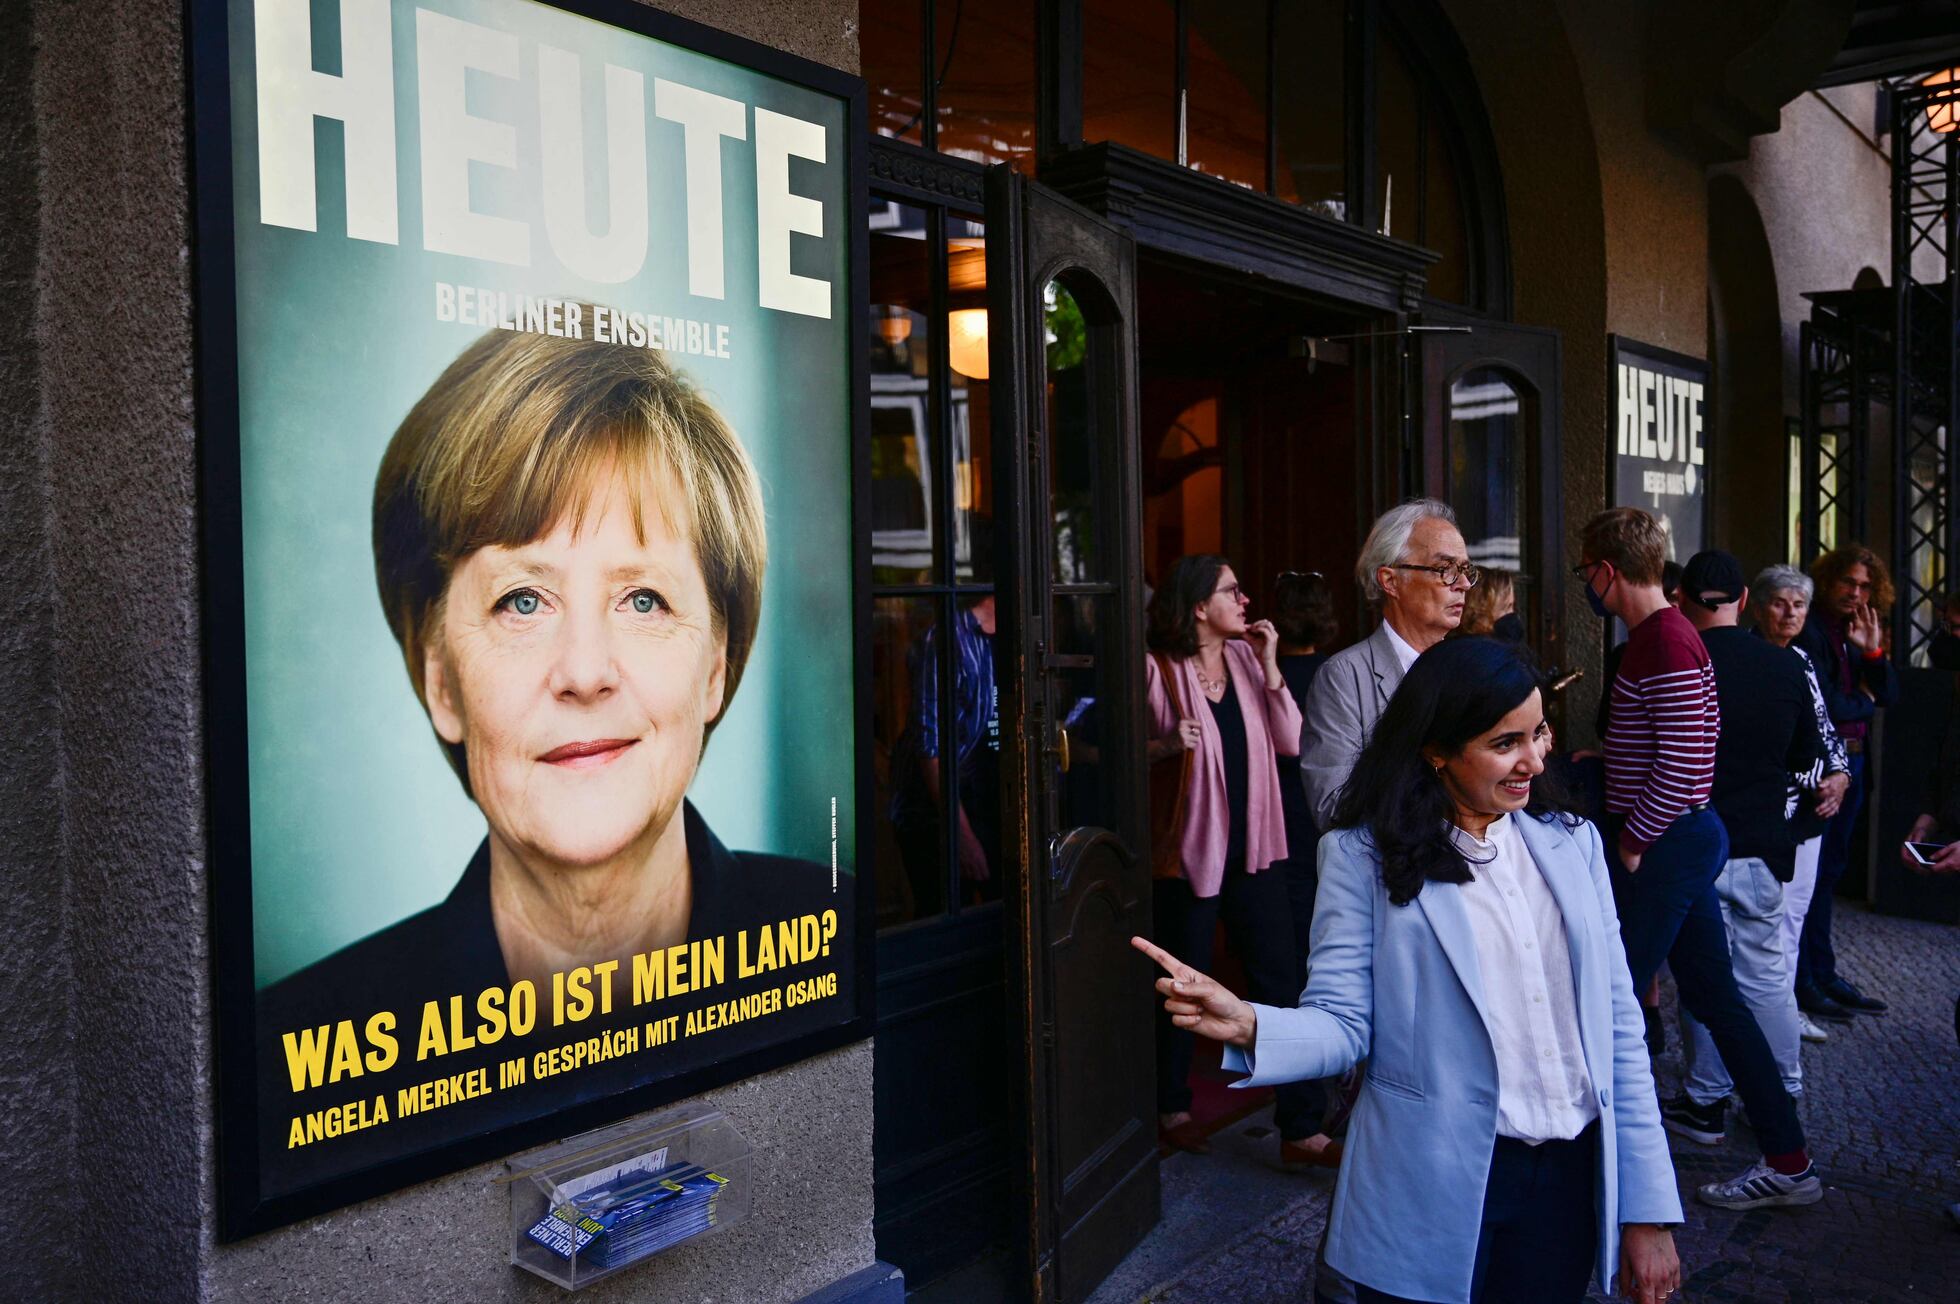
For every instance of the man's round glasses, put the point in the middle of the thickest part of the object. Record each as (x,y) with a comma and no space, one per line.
(1451,576)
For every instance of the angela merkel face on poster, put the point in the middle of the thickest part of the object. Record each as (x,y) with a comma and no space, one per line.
(569,544)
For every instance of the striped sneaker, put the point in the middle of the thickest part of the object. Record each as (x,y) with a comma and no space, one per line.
(1762,1187)
(1699,1123)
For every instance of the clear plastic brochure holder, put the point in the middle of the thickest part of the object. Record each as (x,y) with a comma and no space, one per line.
(590,1205)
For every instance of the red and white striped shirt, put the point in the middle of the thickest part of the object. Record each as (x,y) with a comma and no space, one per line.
(1660,737)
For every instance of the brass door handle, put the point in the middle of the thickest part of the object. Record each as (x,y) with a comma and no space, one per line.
(1060,750)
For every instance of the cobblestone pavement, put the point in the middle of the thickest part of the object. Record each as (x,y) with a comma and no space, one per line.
(1882,1110)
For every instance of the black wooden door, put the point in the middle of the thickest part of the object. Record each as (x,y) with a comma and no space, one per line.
(1062,302)
(1490,448)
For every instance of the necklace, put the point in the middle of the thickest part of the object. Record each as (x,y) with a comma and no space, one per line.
(1213,687)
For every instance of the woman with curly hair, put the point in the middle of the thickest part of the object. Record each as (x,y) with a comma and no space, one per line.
(1844,637)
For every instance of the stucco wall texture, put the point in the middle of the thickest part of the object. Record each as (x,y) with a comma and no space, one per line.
(104,987)
(1608,226)
(1549,156)
(1824,145)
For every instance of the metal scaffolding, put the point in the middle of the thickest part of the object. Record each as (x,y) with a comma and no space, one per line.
(1883,361)
(1925,369)
(1837,354)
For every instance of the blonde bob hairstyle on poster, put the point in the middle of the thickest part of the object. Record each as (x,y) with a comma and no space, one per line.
(522,432)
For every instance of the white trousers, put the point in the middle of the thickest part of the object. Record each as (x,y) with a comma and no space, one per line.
(1796,896)
(1762,950)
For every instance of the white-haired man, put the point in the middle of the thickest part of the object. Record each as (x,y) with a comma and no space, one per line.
(1415,568)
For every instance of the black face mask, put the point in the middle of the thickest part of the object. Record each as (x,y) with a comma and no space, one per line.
(1509,627)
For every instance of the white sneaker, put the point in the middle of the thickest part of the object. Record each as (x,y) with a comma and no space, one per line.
(1808,1029)
(1762,1187)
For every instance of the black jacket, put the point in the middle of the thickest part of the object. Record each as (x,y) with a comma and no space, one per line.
(1828,654)
(1769,731)
(451,950)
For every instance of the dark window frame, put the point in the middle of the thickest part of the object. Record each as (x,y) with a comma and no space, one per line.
(940,187)
(1423,37)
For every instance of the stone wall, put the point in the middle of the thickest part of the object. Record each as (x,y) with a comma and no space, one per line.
(107,1009)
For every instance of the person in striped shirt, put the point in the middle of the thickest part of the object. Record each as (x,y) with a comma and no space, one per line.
(1660,768)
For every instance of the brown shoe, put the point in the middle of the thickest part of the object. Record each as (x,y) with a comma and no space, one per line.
(1317,1151)
(1186,1136)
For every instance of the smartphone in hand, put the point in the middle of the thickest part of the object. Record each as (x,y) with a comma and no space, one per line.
(1925,852)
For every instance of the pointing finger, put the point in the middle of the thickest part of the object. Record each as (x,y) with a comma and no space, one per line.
(1168,962)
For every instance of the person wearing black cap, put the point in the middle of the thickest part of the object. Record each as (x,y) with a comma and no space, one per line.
(1769,731)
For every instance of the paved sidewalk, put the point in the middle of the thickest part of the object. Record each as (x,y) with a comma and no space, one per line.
(1882,1110)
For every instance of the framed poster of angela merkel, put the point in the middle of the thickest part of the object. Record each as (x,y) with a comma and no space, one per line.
(530,344)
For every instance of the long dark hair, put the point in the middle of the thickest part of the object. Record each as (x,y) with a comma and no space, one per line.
(1457,691)
(1171,622)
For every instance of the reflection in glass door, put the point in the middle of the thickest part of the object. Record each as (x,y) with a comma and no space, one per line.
(1083,614)
(1489,398)
(1488,472)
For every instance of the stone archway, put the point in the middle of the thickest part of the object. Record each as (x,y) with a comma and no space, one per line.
(1745,344)
(1548,155)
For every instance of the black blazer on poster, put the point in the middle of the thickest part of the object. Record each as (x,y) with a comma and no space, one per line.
(451,950)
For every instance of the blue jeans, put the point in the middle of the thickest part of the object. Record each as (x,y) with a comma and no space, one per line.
(1669,911)
(1816,961)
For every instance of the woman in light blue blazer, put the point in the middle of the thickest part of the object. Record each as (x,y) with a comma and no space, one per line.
(1507,1146)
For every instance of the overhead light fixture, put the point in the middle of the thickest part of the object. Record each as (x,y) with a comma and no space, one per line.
(1940,113)
(966,341)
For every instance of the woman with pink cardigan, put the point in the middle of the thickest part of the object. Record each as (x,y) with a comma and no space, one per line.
(1226,703)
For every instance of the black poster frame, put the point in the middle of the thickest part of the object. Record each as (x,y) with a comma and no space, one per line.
(244,1209)
(1619,349)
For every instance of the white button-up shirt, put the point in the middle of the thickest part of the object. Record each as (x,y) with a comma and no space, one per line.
(1403,652)
(1544,1092)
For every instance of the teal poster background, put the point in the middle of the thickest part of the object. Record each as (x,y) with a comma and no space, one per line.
(356,819)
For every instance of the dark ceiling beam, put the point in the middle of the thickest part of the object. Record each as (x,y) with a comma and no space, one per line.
(1720,73)
(1890,39)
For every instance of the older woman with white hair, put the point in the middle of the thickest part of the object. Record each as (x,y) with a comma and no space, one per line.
(1780,598)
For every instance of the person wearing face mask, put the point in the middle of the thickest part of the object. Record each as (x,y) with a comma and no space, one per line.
(1650,996)
(1506,1144)
(1671,590)
(1670,843)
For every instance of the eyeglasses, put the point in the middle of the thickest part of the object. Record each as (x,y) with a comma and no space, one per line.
(1230,590)
(1583,571)
(1458,573)
(1284,576)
